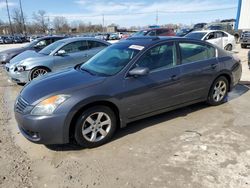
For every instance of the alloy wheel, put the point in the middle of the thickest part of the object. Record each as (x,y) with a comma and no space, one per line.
(96,126)
(38,72)
(220,90)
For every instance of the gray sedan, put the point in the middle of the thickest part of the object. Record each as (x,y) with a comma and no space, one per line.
(60,55)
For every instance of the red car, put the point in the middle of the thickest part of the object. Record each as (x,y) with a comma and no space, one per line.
(155,32)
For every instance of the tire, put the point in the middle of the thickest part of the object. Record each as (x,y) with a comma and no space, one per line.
(35,72)
(243,46)
(218,92)
(88,133)
(229,47)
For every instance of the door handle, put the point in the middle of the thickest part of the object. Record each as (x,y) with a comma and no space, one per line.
(213,66)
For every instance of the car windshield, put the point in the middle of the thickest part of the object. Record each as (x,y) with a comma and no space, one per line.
(50,48)
(31,44)
(111,60)
(196,35)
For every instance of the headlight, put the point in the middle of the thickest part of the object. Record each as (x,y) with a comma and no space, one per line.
(20,68)
(49,105)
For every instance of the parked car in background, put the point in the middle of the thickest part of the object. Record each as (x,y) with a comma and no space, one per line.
(56,57)
(220,38)
(17,39)
(248,59)
(7,40)
(36,45)
(129,80)
(155,32)
(199,26)
(245,39)
(1,40)
(114,36)
(183,32)
(224,27)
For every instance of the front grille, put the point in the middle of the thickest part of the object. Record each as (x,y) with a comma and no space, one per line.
(21,105)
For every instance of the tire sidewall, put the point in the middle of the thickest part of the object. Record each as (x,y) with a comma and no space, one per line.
(80,140)
(210,99)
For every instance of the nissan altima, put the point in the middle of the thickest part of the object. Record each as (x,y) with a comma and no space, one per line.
(127,81)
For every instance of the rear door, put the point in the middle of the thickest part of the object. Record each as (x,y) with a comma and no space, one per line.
(213,39)
(198,68)
(75,53)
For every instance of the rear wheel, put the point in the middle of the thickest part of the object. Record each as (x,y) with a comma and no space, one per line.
(229,47)
(95,126)
(218,92)
(37,72)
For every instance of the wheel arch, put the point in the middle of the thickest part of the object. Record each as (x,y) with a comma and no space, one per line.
(37,67)
(81,109)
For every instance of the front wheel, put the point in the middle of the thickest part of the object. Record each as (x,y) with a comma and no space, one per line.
(218,92)
(95,126)
(37,72)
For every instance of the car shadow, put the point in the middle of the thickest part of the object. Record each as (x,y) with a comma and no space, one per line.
(139,125)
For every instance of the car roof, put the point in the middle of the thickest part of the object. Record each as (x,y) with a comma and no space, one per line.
(149,41)
(74,39)
(207,31)
(47,37)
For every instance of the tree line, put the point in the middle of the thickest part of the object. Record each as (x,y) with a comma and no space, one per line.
(41,23)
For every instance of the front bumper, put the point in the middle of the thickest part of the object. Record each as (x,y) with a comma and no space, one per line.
(43,129)
(18,77)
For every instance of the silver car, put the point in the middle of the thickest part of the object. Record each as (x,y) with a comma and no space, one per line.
(56,57)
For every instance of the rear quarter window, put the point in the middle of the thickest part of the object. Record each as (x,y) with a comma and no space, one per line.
(192,52)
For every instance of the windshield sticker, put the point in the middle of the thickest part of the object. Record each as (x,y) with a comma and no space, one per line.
(136,47)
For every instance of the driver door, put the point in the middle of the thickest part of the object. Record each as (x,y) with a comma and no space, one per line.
(156,90)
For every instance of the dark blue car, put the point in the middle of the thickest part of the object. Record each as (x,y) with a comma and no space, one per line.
(130,80)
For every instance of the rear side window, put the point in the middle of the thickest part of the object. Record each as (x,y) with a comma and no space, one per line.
(75,47)
(95,44)
(191,52)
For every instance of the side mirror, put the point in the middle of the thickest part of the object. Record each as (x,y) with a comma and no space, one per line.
(139,71)
(61,53)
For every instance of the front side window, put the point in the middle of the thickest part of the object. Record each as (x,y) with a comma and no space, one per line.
(191,52)
(75,47)
(159,57)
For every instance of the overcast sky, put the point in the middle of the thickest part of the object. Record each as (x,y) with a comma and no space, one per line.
(129,12)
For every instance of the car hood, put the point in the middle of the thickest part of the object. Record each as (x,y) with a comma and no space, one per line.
(58,83)
(13,51)
(26,55)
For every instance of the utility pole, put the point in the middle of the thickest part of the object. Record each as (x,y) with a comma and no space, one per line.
(103,23)
(7,6)
(21,9)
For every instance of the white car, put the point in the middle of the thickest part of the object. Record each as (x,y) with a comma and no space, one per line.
(217,37)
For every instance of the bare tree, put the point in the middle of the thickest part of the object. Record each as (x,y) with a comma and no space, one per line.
(41,21)
(61,25)
(17,20)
